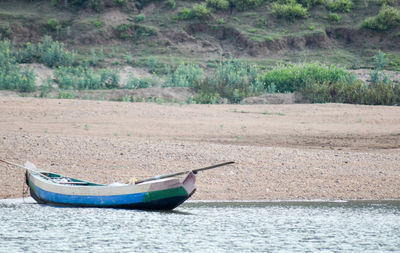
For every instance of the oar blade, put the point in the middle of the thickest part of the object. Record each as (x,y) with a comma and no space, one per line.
(30,165)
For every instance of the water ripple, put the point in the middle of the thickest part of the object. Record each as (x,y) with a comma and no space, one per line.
(203,227)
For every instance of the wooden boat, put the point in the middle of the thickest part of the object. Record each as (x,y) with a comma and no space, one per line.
(164,192)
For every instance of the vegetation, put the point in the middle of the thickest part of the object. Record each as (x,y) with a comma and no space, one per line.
(339,5)
(243,5)
(135,32)
(198,11)
(49,52)
(292,77)
(387,18)
(12,77)
(185,75)
(233,80)
(218,4)
(291,10)
(323,84)
(80,78)
(334,17)
(204,33)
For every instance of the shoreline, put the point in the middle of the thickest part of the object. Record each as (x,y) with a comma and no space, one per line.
(30,200)
(282,152)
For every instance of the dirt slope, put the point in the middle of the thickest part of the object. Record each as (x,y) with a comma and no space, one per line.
(295,151)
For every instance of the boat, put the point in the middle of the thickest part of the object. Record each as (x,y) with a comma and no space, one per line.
(164,192)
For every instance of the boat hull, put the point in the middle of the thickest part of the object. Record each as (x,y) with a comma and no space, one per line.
(164,194)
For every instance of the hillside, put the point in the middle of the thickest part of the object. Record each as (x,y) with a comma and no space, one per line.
(156,29)
(151,39)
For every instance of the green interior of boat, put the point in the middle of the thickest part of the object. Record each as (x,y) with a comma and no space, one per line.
(69,180)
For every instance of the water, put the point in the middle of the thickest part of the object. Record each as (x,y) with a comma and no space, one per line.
(203,227)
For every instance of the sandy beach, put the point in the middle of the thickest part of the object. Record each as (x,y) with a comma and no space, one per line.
(281,152)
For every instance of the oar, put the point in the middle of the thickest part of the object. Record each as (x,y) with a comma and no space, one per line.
(23,167)
(182,173)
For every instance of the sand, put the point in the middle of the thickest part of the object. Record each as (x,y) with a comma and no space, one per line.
(282,152)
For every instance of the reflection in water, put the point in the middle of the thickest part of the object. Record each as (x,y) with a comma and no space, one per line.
(203,227)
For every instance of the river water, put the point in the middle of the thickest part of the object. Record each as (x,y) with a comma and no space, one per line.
(203,227)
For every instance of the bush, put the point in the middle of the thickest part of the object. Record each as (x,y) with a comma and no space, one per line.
(11,75)
(109,78)
(144,82)
(185,75)
(53,53)
(86,78)
(387,18)
(293,77)
(97,23)
(135,31)
(388,2)
(289,11)
(28,53)
(243,5)
(198,11)
(185,13)
(139,18)
(218,4)
(120,2)
(233,80)
(53,24)
(334,17)
(310,3)
(339,5)
(353,92)
(171,4)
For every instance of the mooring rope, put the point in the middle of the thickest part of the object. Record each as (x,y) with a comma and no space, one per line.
(25,189)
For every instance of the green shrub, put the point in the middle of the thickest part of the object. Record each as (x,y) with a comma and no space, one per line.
(139,18)
(200,11)
(293,77)
(120,2)
(220,21)
(310,3)
(27,53)
(243,5)
(387,18)
(218,4)
(206,98)
(144,82)
(11,75)
(339,5)
(233,80)
(353,92)
(97,23)
(185,75)
(68,94)
(53,24)
(109,78)
(289,11)
(388,2)
(135,31)
(185,13)
(5,31)
(334,17)
(86,78)
(53,53)
(171,4)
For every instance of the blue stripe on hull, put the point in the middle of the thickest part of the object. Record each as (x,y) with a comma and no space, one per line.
(77,200)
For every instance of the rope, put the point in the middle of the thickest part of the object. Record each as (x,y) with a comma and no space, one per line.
(25,189)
